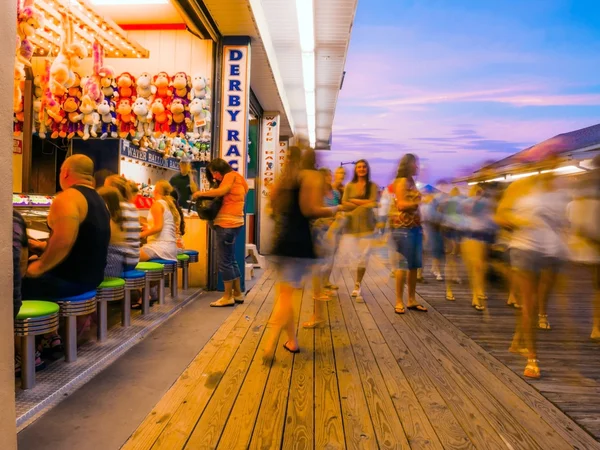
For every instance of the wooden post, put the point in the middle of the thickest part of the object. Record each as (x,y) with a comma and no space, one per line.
(27,130)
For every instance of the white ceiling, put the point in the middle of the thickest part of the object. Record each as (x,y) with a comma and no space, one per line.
(140,14)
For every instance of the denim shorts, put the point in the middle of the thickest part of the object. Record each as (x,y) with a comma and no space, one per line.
(532,261)
(293,271)
(409,243)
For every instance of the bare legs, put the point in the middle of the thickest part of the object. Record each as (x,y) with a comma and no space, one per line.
(474,257)
(282,318)
(524,340)
(237,288)
(402,277)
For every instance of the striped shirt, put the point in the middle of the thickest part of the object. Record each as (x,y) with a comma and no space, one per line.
(131,229)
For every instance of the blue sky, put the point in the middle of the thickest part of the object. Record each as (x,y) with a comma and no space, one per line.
(460,83)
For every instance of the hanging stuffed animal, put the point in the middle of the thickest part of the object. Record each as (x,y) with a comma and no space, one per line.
(199,87)
(91,86)
(125,86)
(107,82)
(29,19)
(45,100)
(57,119)
(108,120)
(161,116)
(144,87)
(62,75)
(125,117)
(71,106)
(89,117)
(141,109)
(180,116)
(162,85)
(197,116)
(182,85)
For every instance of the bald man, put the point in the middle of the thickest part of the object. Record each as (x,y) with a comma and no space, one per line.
(73,259)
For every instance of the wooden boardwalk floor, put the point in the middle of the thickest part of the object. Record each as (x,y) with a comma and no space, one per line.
(369,379)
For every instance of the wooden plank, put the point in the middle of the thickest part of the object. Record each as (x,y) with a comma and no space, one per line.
(154,423)
(329,428)
(185,417)
(566,427)
(386,423)
(505,410)
(207,431)
(269,426)
(426,418)
(479,430)
(358,427)
(299,430)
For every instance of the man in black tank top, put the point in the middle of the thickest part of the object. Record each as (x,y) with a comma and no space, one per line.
(73,260)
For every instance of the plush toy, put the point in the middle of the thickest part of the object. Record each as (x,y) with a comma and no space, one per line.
(197,107)
(70,106)
(161,116)
(89,117)
(69,58)
(107,82)
(18,119)
(46,100)
(162,84)
(182,85)
(144,87)
(108,120)
(181,117)
(125,86)
(208,117)
(35,122)
(91,86)
(75,89)
(57,119)
(37,86)
(29,19)
(141,109)
(125,117)
(199,87)
(19,85)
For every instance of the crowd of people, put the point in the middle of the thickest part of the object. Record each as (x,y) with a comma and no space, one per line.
(528,230)
(96,232)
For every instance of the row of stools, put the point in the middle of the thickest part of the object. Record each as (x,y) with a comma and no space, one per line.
(42,317)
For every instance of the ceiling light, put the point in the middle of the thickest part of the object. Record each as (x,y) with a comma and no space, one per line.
(129,2)
(306,26)
(308,71)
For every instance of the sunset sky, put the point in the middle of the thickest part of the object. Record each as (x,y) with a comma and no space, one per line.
(462,82)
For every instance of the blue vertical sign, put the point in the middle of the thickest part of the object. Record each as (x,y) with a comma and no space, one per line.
(235,109)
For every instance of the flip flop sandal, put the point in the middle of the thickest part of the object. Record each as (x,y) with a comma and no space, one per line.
(451,298)
(290,350)
(532,370)
(399,310)
(219,304)
(418,308)
(313,324)
(479,307)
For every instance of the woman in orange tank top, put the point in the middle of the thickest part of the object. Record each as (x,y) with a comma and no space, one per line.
(405,222)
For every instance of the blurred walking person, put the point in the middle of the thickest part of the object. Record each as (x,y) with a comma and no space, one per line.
(296,199)
(584,215)
(405,221)
(478,235)
(360,199)
(532,208)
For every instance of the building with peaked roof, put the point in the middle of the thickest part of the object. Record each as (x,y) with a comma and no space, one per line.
(574,149)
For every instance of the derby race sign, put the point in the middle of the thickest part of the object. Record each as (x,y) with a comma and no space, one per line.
(235,102)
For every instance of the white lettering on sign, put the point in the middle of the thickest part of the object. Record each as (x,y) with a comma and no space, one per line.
(234,119)
(268,149)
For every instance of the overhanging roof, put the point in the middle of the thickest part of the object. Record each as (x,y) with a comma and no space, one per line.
(276,57)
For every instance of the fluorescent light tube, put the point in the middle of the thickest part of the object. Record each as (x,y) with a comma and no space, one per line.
(306,20)
(308,71)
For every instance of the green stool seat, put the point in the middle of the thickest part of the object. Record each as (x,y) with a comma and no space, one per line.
(183,257)
(35,318)
(149,266)
(112,283)
(183,263)
(34,308)
(110,290)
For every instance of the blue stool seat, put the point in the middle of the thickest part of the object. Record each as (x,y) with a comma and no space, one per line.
(79,298)
(163,261)
(190,252)
(133,274)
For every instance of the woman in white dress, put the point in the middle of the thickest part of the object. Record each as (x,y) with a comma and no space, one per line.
(162,227)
